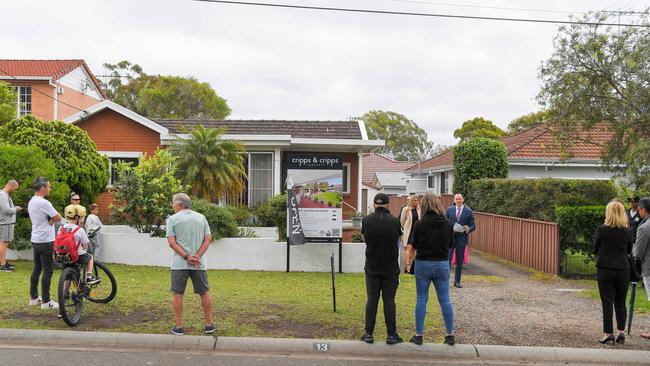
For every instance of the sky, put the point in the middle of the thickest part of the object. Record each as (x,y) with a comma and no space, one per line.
(271,63)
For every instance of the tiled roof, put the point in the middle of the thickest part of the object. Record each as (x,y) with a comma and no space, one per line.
(539,143)
(373,163)
(297,129)
(54,69)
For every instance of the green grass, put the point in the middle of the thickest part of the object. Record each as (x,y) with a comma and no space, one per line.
(332,197)
(261,304)
(641,303)
(578,263)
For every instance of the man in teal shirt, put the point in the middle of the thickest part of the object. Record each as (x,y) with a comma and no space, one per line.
(188,234)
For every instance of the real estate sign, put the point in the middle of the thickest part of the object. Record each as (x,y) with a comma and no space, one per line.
(314,184)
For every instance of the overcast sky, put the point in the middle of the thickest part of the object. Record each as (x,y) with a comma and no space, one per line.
(300,64)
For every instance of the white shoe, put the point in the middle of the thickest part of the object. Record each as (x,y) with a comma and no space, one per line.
(50,305)
(36,301)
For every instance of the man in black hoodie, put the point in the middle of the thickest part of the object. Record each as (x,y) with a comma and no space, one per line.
(381,232)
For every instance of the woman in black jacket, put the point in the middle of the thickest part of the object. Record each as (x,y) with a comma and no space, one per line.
(432,238)
(612,246)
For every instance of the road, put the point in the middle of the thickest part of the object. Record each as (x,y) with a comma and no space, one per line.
(35,355)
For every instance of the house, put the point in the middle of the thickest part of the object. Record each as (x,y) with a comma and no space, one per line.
(382,174)
(51,89)
(531,154)
(123,135)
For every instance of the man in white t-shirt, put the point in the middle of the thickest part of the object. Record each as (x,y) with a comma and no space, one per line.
(73,217)
(43,216)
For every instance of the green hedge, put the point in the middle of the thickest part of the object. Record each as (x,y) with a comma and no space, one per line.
(536,198)
(478,158)
(222,223)
(274,213)
(241,214)
(577,227)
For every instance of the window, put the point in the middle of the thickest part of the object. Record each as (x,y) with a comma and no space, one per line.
(444,182)
(431,181)
(114,177)
(23,100)
(260,178)
(346,178)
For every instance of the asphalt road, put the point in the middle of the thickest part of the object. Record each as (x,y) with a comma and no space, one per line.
(28,356)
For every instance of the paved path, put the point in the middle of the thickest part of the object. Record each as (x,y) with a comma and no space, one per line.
(525,312)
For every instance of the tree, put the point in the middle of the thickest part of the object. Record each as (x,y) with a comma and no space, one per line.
(144,193)
(404,139)
(157,96)
(74,154)
(212,167)
(7,102)
(528,121)
(478,127)
(478,158)
(24,164)
(598,79)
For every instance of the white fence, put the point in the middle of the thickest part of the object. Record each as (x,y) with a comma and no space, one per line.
(124,245)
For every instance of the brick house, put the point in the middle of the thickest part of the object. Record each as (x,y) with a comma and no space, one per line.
(51,89)
(123,135)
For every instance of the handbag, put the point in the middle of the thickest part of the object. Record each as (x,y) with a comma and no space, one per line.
(636,268)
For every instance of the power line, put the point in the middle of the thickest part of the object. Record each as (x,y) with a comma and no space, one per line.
(627,12)
(47,95)
(387,12)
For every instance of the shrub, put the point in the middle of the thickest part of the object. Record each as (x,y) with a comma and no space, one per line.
(73,152)
(222,223)
(478,158)
(577,227)
(241,214)
(536,198)
(24,164)
(274,213)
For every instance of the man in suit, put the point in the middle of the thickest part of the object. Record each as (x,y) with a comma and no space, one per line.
(463,216)
(633,216)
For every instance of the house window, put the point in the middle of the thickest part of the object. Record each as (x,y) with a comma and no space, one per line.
(346,178)
(23,100)
(260,178)
(444,183)
(431,182)
(113,161)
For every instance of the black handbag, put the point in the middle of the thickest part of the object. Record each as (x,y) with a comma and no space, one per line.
(636,268)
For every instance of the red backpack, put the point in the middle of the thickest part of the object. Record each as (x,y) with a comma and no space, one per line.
(65,247)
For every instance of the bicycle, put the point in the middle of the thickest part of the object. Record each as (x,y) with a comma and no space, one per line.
(73,290)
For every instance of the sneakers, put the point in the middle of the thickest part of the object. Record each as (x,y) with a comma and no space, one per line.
(36,301)
(394,339)
(416,339)
(6,268)
(450,340)
(177,331)
(368,338)
(50,305)
(91,280)
(210,328)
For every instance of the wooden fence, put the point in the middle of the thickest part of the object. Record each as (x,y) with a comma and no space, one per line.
(530,243)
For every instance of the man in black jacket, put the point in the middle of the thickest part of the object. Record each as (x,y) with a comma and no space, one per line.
(633,216)
(381,232)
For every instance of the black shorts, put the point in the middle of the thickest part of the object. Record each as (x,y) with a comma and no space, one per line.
(199,281)
(84,258)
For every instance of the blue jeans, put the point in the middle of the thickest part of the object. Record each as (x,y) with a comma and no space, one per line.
(425,273)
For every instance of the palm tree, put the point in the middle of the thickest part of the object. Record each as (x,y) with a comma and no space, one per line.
(212,167)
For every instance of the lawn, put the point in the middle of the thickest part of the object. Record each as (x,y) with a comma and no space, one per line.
(641,303)
(246,303)
(333,197)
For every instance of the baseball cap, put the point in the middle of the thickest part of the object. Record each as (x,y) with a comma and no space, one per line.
(381,199)
(644,203)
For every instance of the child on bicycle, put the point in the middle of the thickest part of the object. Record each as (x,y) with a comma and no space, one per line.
(73,217)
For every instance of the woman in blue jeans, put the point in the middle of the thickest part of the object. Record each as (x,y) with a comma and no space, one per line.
(432,238)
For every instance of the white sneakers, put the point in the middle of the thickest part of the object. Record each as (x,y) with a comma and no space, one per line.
(50,305)
(36,301)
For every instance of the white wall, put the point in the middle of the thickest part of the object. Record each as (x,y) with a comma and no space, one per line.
(124,245)
(519,171)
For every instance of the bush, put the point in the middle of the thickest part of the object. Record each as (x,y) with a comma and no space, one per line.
(536,198)
(241,214)
(24,164)
(74,154)
(274,213)
(478,158)
(222,223)
(577,227)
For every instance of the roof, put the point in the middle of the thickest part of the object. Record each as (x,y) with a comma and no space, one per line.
(296,129)
(373,163)
(107,104)
(54,69)
(391,179)
(539,143)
